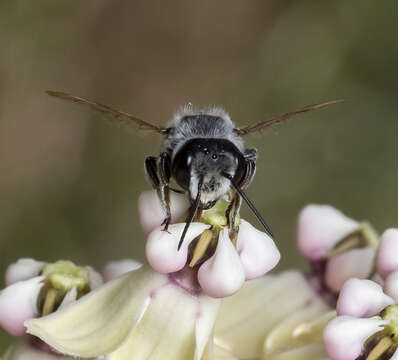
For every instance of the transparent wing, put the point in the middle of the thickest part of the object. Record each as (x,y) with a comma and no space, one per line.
(112,115)
(273,120)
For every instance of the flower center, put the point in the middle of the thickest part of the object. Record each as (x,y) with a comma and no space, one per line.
(61,277)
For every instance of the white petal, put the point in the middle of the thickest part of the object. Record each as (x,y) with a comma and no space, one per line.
(257,251)
(223,274)
(247,317)
(175,326)
(362,298)
(95,278)
(391,285)
(304,352)
(23,269)
(114,269)
(162,247)
(25,351)
(294,330)
(151,212)
(101,321)
(387,260)
(319,228)
(18,302)
(356,263)
(344,336)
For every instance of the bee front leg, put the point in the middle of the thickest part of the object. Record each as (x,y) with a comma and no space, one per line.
(164,191)
(153,167)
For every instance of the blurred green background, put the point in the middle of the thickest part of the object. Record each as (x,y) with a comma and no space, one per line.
(69,182)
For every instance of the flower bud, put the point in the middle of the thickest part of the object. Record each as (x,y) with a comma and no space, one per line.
(320,227)
(356,263)
(223,274)
(23,269)
(152,214)
(18,302)
(387,260)
(344,336)
(257,251)
(362,298)
(391,285)
(162,246)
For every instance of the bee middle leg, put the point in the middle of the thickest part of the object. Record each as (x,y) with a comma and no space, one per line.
(236,201)
(158,171)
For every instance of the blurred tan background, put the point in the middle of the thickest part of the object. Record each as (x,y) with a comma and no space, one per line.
(69,182)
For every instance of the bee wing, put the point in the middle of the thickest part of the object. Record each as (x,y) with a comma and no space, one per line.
(112,115)
(279,118)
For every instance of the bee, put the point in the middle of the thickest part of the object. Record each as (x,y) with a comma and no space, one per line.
(203,151)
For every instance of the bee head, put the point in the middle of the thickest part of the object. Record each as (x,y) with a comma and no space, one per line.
(206,159)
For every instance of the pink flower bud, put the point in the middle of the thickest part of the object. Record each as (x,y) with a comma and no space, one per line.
(151,213)
(344,336)
(257,251)
(391,285)
(356,263)
(362,298)
(23,269)
(18,302)
(387,260)
(114,269)
(320,227)
(223,274)
(162,246)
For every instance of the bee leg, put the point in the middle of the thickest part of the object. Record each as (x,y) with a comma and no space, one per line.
(233,218)
(250,156)
(159,184)
(164,189)
(233,209)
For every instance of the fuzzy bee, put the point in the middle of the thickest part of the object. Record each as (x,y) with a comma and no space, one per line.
(203,152)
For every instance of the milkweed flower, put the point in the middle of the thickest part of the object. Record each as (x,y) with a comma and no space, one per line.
(366,325)
(222,266)
(337,246)
(34,288)
(166,308)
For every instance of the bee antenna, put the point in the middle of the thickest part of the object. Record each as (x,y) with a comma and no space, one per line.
(192,212)
(249,203)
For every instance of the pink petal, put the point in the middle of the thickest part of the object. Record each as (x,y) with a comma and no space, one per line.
(391,285)
(23,269)
(362,298)
(223,274)
(151,213)
(257,251)
(356,263)
(344,336)
(387,260)
(320,227)
(114,269)
(18,303)
(162,247)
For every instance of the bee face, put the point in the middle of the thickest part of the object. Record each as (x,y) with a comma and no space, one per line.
(207,159)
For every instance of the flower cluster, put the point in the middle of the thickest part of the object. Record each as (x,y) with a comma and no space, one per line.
(211,299)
